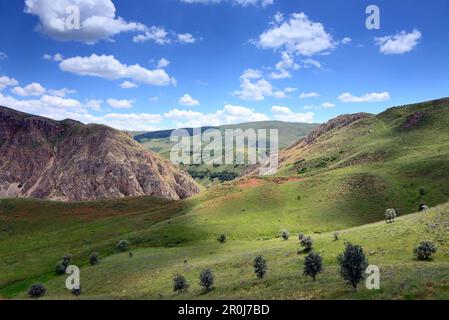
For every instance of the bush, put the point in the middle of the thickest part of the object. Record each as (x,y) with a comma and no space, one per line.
(207,279)
(336,236)
(423,207)
(62,265)
(425,250)
(285,234)
(307,244)
(353,264)
(313,265)
(122,245)
(76,291)
(94,258)
(390,215)
(180,283)
(36,291)
(260,267)
(222,238)
(301,236)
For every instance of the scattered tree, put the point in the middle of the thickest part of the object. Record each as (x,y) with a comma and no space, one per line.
(336,236)
(313,265)
(37,291)
(353,264)
(122,245)
(207,279)
(260,267)
(307,244)
(300,236)
(222,238)
(76,291)
(425,250)
(62,265)
(180,283)
(285,234)
(390,215)
(423,207)
(94,258)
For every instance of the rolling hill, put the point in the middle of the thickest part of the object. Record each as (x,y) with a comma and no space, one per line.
(341,177)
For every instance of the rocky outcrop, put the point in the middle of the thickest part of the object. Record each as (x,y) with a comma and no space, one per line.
(69,161)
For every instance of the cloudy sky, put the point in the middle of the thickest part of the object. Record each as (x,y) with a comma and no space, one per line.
(148,65)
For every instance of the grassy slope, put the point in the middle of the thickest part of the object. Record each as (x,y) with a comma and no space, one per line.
(351,177)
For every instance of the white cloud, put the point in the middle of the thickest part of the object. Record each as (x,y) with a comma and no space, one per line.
(108,67)
(98,20)
(297,35)
(33,89)
(3,56)
(56,57)
(62,92)
(121,104)
(251,74)
(7,82)
(328,105)
(187,100)
(286,114)
(306,95)
(346,40)
(400,43)
(186,38)
(230,114)
(156,34)
(154,99)
(94,104)
(255,87)
(307,63)
(128,85)
(244,3)
(369,97)
(290,90)
(163,63)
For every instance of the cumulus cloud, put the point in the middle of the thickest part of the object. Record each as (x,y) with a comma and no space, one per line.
(400,43)
(120,104)
(306,95)
(128,85)
(286,114)
(33,89)
(254,87)
(7,82)
(186,38)
(369,97)
(346,40)
(163,63)
(156,34)
(328,105)
(244,3)
(108,67)
(298,35)
(56,57)
(62,92)
(187,100)
(230,114)
(98,20)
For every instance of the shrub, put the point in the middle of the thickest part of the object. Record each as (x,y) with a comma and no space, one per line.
(313,265)
(307,244)
(300,236)
(423,207)
(390,215)
(285,234)
(94,258)
(76,291)
(425,250)
(336,236)
(353,264)
(180,283)
(222,238)
(207,279)
(260,267)
(62,265)
(36,291)
(122,245)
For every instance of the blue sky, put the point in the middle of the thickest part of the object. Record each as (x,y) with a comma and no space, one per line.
(147,65)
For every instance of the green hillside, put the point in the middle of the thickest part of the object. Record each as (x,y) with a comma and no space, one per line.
(289,133)
(342,179)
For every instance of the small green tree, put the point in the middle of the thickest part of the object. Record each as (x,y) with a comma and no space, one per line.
(180,284)
(425,250)
(207,279)
(390,215)
(260,267)
(222,238)
(284,234)
(353,264)
(306,244)
(313,265)
(37,291)
(122,245)
(300,236)
(62,265)
(94,258)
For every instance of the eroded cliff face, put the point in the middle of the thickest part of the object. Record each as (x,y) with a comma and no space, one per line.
(69,161)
